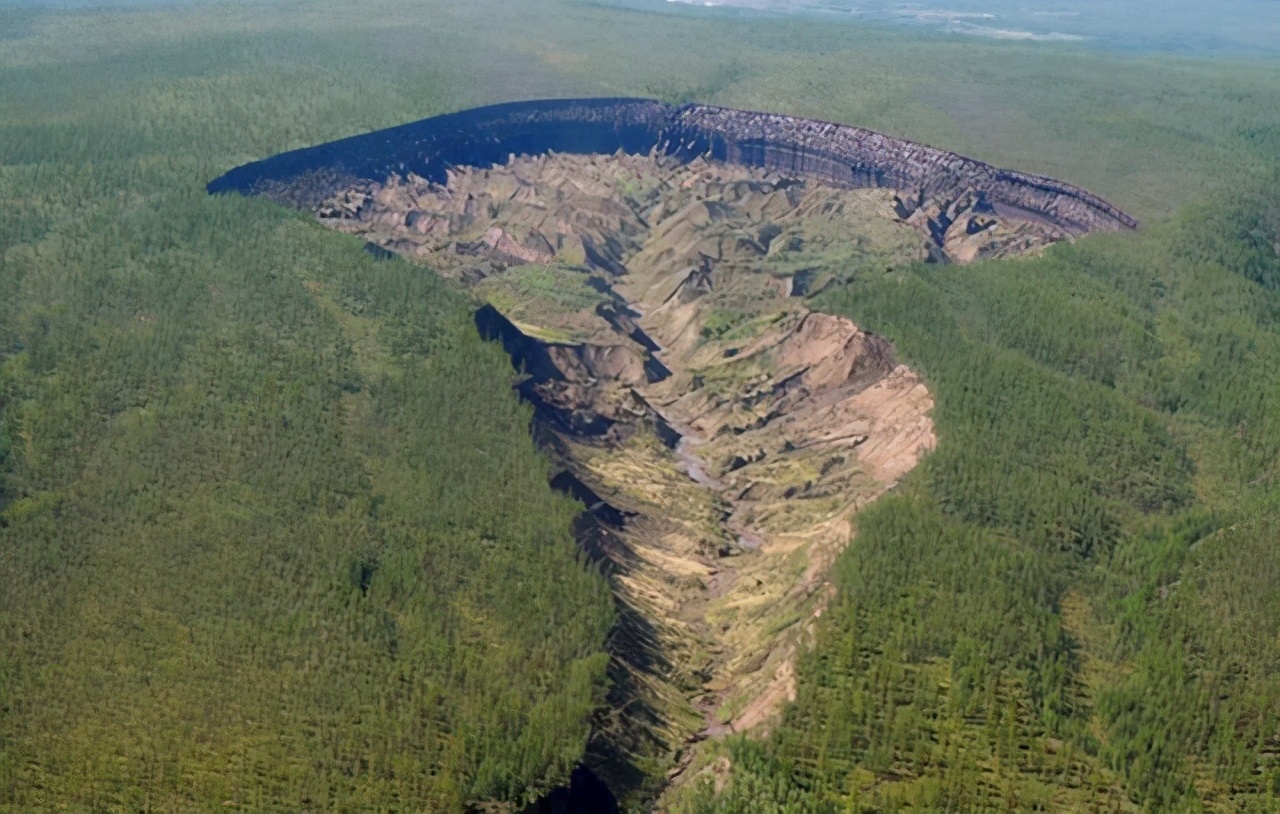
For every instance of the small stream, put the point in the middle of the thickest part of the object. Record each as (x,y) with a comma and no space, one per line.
(694,466)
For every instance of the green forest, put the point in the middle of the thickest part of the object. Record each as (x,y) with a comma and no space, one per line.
(274,536)
(241,564)
(1071,604)
(274,533)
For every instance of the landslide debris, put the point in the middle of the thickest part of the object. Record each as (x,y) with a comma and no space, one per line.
(722,435)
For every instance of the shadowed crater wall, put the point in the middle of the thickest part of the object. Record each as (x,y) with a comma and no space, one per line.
(835,154)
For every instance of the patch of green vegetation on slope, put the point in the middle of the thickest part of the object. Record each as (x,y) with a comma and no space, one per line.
(541,296)
(1067,606)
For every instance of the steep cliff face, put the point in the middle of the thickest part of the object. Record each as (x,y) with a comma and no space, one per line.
(838,155)
(845,156)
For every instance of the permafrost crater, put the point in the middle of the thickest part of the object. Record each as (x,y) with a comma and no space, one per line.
(647,267)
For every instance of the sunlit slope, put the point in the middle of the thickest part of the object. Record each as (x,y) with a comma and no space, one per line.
(1064,608)
(723,435)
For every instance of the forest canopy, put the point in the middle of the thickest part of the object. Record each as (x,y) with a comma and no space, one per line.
(274,535)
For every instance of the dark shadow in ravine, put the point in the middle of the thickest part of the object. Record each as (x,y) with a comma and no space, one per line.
(585,794)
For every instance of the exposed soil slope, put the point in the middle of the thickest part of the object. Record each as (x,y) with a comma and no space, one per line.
(722,434)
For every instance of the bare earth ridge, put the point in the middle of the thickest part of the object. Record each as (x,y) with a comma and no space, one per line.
(723,435)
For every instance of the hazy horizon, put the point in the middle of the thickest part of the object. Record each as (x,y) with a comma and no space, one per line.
(1229,27)
(1243,27)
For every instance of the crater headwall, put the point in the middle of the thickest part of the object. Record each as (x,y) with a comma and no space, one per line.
(834,154)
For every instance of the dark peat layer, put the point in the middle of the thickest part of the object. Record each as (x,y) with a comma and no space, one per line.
(834,154)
